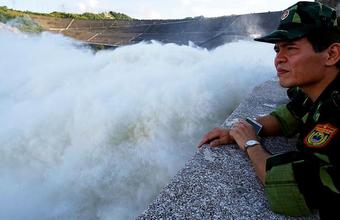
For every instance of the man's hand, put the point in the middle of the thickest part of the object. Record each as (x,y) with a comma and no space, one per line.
(216,137)
(241,132)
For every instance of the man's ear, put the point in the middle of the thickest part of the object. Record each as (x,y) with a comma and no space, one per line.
(333,54)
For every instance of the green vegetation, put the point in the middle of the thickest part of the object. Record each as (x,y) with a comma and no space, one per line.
(6,14)
(19,20)
(22,20)
(91,16)
(25,24)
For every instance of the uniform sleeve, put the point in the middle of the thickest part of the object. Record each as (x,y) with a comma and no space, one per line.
(297,183)
(288,122)
(317,182)
(289,115)
(281,187)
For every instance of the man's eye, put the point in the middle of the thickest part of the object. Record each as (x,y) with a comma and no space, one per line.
(291,48)
(276,49)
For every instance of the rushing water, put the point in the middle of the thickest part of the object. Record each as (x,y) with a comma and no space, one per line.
(96,136)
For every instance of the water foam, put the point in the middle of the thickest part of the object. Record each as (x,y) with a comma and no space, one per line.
(96,136)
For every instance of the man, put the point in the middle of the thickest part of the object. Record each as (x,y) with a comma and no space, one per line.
(307,46)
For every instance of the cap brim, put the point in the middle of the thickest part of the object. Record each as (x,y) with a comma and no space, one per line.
(282,35)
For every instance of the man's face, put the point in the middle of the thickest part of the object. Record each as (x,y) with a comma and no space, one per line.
(297,64)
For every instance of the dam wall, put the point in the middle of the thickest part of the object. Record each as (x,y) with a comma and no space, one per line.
(220,183)
(204,32)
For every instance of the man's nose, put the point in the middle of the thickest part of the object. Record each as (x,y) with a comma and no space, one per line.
(280,58)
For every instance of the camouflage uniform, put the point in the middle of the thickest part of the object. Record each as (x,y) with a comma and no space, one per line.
(309,178)
(316,165)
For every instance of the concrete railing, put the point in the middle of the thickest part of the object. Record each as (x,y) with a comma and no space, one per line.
(220,183)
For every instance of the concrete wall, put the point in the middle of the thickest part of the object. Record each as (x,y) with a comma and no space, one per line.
(221,183)
(204,32)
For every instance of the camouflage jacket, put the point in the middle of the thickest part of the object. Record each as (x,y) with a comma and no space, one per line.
(318,128)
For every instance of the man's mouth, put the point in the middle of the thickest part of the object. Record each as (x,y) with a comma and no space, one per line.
(281,71)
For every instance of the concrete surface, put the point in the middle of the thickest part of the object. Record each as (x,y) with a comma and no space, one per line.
(220,183)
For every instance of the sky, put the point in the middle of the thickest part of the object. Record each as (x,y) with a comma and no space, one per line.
(153,9)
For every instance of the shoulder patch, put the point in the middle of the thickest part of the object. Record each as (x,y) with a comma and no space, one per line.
(320,136)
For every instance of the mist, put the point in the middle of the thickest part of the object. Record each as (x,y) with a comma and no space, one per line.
(88,135)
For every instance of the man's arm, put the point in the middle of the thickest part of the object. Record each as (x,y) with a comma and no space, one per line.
(220,136)
(258,157)
(241,133)
(271,125)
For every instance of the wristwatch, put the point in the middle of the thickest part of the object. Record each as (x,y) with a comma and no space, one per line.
(250,143)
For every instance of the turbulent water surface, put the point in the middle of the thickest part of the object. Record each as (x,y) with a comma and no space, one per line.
(96,136)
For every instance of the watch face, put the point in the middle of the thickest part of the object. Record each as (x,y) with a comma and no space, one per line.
(251,142)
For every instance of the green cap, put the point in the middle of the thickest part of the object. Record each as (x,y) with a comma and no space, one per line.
(301,19)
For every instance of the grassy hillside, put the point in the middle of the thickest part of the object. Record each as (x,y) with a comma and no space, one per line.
(22,20)
(91,16)
(6,14)
(19,20)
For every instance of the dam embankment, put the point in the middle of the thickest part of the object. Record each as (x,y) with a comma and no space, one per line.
(204,32)
(220,183)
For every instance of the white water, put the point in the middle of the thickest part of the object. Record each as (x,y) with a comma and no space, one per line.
(96,136)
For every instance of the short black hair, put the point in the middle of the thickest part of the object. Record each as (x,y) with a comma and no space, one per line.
(321,39)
